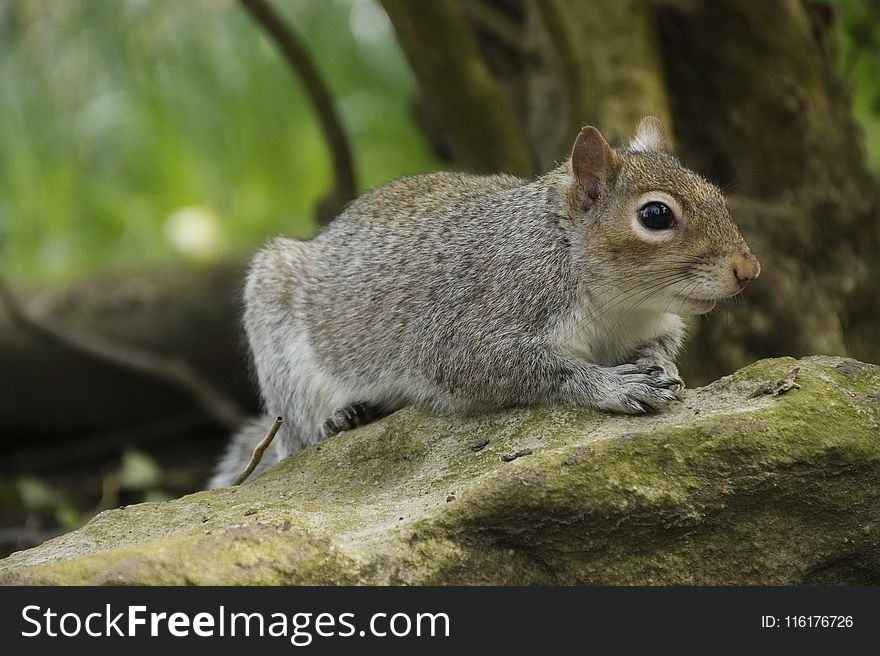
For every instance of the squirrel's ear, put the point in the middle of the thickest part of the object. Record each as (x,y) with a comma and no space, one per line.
(650,136)
(593,162)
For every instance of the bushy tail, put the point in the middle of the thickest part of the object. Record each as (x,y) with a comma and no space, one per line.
(238,453)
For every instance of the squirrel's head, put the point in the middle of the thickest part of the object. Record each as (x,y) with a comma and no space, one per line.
(670,242)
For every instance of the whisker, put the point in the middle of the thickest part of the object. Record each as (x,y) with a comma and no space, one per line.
(631,291)
(641,290)
(672,270)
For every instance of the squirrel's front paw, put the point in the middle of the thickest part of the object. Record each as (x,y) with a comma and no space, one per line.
(664,370)
(639,389)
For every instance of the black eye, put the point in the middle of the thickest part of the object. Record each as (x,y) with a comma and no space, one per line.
(656,216)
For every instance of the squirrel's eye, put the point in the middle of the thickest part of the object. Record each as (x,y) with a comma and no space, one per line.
(656,216)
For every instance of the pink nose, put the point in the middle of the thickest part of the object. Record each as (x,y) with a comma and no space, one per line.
(746,268)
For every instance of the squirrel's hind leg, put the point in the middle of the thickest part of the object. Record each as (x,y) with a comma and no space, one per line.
(352,416)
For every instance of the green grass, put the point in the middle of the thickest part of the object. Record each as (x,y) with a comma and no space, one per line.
(114,114)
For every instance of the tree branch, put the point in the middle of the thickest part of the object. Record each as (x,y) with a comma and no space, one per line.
(95,447)
(608,59)
(484,133)
(300,61)
(170,369)
(499,26)
(571,55)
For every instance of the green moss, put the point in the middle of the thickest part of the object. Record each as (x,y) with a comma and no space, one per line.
(262,555)
(725,489)
(711,483)
(766,370)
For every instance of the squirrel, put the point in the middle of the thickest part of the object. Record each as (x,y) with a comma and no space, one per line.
(467,293)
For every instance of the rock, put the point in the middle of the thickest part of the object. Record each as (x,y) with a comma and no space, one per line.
(724,489)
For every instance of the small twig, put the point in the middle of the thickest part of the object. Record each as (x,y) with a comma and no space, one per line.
(479,445)
(510,457)
(257,455)
(781,386)
(170,369)
(291,46)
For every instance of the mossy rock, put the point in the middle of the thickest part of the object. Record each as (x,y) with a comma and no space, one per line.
(727,488)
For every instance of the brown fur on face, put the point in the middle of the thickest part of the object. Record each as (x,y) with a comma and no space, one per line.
(703,256)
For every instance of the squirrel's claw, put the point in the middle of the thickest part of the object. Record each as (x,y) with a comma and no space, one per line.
(641,389)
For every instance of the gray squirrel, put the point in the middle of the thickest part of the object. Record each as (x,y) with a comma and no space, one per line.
(468,293)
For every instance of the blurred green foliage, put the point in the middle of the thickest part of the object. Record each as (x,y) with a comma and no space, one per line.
(857,31)
(38,497)
(36,502)
(137,132)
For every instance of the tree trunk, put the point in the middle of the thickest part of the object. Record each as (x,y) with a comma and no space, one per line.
(484,135)
(767,115)
(755,103)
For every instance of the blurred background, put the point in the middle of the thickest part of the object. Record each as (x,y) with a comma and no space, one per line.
(148,147)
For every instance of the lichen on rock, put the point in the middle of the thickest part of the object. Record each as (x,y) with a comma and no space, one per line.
(726,488)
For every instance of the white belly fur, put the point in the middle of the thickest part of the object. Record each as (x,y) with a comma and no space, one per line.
(610,338)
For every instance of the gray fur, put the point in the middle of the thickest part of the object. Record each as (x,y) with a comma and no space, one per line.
(468,293)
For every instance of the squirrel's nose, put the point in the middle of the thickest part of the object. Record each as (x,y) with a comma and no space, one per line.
(746,268)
